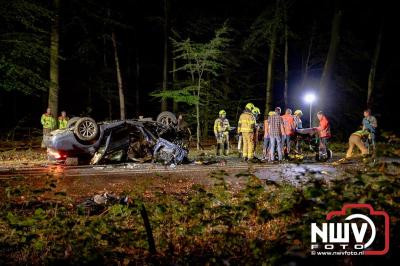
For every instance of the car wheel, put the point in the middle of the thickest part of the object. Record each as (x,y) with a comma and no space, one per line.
(86,129)
(167,118)
(72,122)
(330,154)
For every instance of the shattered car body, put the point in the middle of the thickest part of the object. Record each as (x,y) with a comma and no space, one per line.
(140,140)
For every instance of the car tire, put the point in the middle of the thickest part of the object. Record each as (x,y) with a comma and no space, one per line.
(330,154)
(86,129)
(72,122)
(167,118)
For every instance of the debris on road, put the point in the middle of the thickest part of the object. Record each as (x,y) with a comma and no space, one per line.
(99,202)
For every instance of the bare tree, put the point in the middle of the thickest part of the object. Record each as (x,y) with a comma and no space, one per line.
(372,71)
(272,47)
(286,36)
(308,57)
(331,57)
(119,78)
(54,56)
(174,82)
(164,103)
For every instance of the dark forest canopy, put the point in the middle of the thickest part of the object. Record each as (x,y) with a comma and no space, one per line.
(88,82)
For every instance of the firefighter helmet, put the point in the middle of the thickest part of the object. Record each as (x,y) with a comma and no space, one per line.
(250,106)
(298,112)
(256,110)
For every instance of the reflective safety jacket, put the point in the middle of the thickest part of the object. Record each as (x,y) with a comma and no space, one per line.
(324,128)
(221,125)
(246,123)
(289,124)
(48,121)
(62,122)
(361,133)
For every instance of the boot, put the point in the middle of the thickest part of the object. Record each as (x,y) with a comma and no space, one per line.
(218,149)
(226,149)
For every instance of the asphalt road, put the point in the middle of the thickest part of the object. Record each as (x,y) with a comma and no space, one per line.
(148,168)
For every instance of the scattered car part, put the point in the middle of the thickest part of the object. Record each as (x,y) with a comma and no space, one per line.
(168,152)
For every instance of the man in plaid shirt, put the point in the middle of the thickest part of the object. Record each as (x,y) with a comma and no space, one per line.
(276,130)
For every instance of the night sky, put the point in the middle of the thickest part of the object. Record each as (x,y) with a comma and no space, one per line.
(86,65)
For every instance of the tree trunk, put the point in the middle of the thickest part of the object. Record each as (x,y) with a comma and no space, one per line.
(137,83)
(174,81)
(198,114)
(269,95)
(371,77)
(105,63)
(206,109)
(285,92)
(164,103)
(307,62)
(54,55)
(119,78)
(330,59)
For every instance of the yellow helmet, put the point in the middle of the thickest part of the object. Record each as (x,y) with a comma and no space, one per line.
(256,110)
(249,106)
(222,112)
(271,113)
(298,112)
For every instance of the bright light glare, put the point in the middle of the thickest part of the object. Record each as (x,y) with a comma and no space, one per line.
(309,98)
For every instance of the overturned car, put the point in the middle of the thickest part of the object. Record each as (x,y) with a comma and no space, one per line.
(86,142)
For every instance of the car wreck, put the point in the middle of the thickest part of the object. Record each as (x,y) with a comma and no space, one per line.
(139,140)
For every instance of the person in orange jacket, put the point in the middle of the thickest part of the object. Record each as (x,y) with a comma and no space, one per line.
(289,126)
(324,132)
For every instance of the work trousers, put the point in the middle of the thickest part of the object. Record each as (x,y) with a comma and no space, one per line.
(248,145)
(355,140)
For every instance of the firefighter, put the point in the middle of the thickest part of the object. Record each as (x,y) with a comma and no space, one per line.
(49,123)
(221,131)
(246,128)
(63,120)
(356,139)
